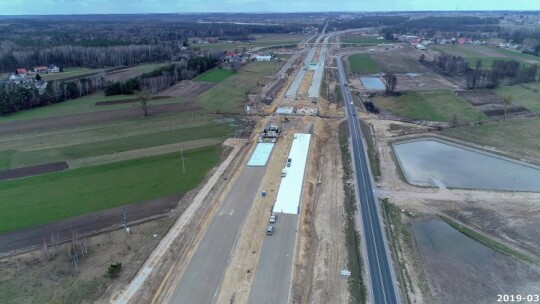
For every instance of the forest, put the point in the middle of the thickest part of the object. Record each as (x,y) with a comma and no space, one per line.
(95,41)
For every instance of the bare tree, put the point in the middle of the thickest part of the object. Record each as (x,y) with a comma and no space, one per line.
(390,83)
(143,97)
(507,101)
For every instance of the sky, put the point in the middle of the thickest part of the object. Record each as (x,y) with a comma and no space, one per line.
(53,7)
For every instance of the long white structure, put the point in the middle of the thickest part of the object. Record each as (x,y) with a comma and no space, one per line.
(260,155)
(295,85)
(315,87)
(290,189)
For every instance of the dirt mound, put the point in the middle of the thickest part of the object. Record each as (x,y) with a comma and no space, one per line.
(33,170)
(121,101)
(86,224)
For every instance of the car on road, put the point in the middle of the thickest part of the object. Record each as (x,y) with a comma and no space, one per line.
(269,230)
(273,218)
(353,113)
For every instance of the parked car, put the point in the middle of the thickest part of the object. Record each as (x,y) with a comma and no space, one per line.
(269,230)
(273,217)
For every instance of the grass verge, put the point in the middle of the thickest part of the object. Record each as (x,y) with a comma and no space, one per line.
(52,197)
(363,64)
(516,136)
(493,244)
(374,162)
(400,238)
(356,283)
(433,105)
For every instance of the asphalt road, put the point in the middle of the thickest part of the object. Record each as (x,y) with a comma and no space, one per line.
(380,273)
(201,279)
(273,275)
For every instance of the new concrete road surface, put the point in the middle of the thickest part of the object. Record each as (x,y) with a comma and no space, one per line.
(202,277)
(380,272)
(273,275)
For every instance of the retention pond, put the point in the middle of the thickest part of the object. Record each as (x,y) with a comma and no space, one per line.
(372,83)
(461,270)
(435,162)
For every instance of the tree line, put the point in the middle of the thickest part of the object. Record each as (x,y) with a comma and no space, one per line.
(485,78)
(91,57)
(15,98)
(163,77)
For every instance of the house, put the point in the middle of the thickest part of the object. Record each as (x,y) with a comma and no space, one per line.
(53,69)
(41,69)
(265,57)
(22,71)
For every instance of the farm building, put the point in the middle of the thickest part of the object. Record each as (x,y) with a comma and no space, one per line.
(21,71)
(265,57)
(41,69)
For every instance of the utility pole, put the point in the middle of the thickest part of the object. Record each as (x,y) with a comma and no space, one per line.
(182,158)
(124,220)
(515,183)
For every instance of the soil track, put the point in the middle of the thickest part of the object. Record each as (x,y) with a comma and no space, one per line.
(90,118)
(33,170)
(188,89)
(86,224)
(131,100)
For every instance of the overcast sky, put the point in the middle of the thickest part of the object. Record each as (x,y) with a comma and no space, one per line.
(47,7)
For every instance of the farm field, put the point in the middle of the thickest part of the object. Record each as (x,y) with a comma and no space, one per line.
(527,95)
(125,143)
(487,54)
(86,104)
(400,61)
(433,105)
(361,40)
(61,195)
(214,75)
(229,94)
(362,64)
(261,41)
(69,72)
(516,136)
(125,74)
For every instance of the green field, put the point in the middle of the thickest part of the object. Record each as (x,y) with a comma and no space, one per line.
(435,105)
(361,40)
(214,75)
(262,41)
(228,95)
(363,64)
(486,53)
(51,197)
(86,104)
(527,95)
(127,143)
(517,136)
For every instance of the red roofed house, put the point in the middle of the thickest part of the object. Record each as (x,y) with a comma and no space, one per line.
(41,69)
(22,71)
